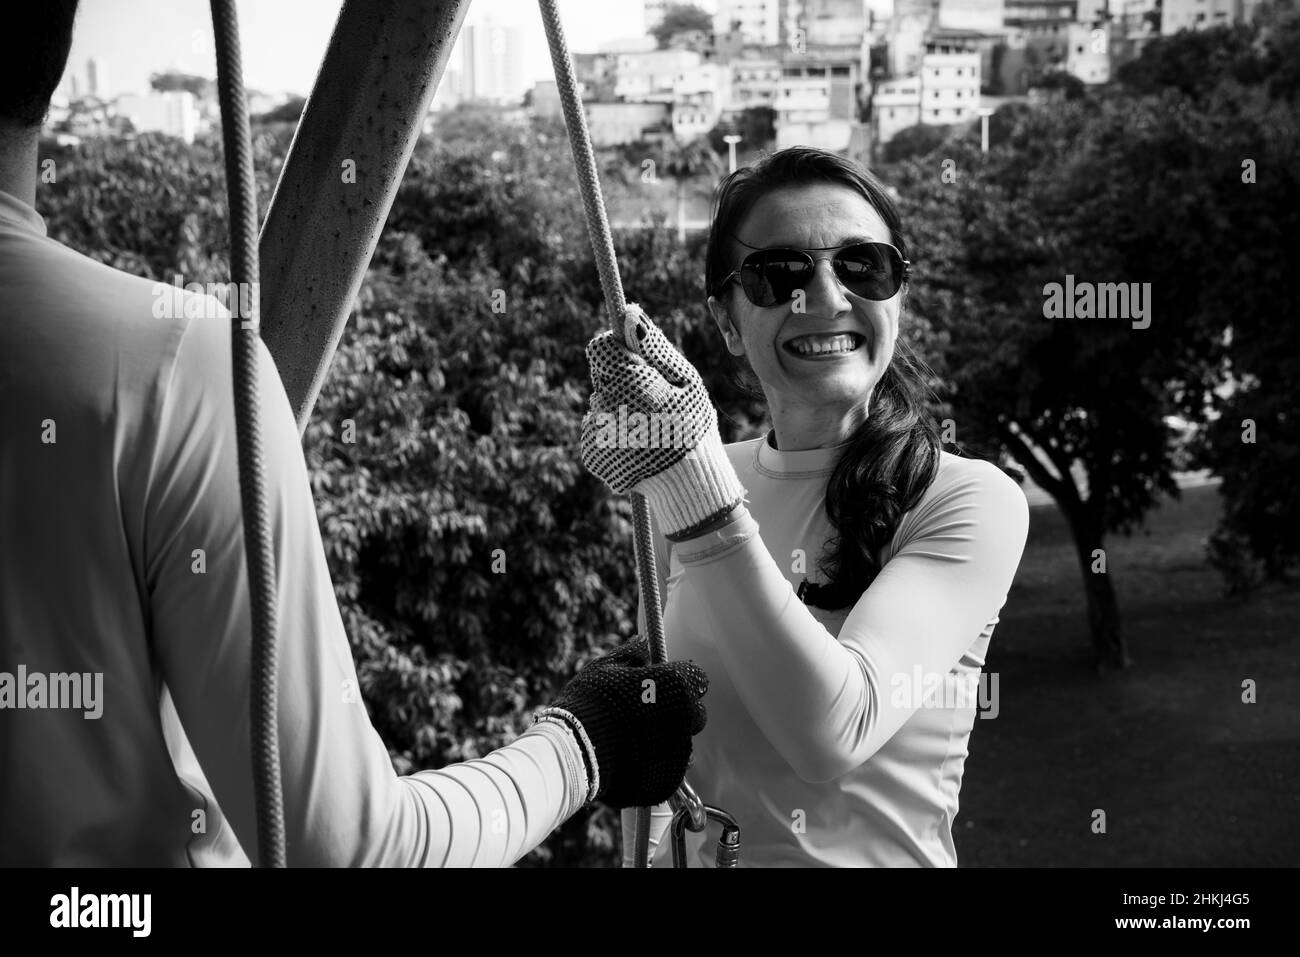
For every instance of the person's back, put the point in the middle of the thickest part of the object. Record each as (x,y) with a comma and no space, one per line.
(124,608)
(95,439)
(122,587)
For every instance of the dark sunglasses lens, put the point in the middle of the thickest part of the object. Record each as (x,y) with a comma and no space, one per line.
(771,276)
(870,270)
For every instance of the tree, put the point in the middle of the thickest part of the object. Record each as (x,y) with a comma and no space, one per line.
(201,86)
(758,126)
(683,163)
(1193,61)
(755,125)
(681,18)
(915,141)
(1071,86)
(1253,441)
(1116,192)
(290,111)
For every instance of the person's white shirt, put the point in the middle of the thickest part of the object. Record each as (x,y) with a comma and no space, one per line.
(838,738)
(122,563)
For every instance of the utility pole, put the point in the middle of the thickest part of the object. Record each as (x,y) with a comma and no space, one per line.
(984,114)
(731,139)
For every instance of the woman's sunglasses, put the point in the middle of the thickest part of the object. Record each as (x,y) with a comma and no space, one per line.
(770,277)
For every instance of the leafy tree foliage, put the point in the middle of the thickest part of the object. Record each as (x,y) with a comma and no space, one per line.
(681,18)
(914,141)
(1121,190)
(756,127)
(173,80)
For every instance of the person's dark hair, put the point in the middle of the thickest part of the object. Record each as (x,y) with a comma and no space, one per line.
(891,458)
(32,59)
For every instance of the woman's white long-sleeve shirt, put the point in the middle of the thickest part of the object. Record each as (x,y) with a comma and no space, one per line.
(122,557)
(839,738)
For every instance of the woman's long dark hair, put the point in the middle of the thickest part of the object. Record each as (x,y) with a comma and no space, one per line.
(893,456)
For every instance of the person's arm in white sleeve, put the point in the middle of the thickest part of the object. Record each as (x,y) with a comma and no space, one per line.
(825,704)
(343,802)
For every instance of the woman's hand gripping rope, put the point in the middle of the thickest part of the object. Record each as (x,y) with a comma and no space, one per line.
(652,429)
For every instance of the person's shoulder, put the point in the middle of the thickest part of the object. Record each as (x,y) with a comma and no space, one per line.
(142,314)
(963,469)
(960,481)
(968,500)
(82,273)
(978,481)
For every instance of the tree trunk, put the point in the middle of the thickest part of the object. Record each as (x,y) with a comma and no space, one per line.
(1103,610)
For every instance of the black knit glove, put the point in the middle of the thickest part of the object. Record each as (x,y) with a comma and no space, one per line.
(640,719)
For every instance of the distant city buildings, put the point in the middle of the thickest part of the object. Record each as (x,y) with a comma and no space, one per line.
(174,113)
(612,124)
(845,75)
(177,104)
(756,22)
(652,76)
(817,103)
(97,79)
(1176,15)
(492,64)
(1179,15)
(699,96)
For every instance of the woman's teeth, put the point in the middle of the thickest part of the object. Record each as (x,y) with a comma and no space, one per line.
(823,345)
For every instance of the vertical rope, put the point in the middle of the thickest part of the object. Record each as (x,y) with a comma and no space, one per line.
(242,194)
(602,244)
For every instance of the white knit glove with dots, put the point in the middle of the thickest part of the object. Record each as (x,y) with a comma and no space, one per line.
(652,429)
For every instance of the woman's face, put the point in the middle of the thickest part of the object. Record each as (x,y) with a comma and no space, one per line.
(807,217)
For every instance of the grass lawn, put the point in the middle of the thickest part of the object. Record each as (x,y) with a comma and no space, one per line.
(1186,773)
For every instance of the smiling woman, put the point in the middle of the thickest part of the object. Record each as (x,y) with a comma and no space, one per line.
(806,746)
(867,398)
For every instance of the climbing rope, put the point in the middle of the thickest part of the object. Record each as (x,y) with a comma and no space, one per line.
(241,190)
(241,193)
(687,806)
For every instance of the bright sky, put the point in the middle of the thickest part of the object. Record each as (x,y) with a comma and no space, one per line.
(284,40)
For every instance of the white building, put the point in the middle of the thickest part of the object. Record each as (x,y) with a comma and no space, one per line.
(1178,15)
(895,106)
(546,99)
(754,82)
(97,79)
(981,16)
(834,22)
(448,93)
(1088,52)
(757,21)
(700,95)
(945,91)
(950,86)
(492,62)
(911,21)
(612,124)
(651,76)
(816,105)
(173,113)
(1095,11)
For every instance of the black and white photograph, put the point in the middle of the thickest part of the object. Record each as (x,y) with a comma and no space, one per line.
(621,434)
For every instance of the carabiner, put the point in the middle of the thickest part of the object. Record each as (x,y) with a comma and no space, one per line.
(685,799)
(728,853)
